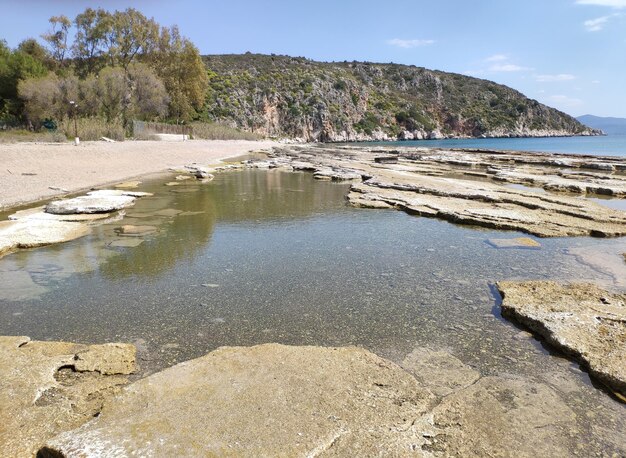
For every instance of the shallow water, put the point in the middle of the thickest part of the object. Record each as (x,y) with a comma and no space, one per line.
(274,256)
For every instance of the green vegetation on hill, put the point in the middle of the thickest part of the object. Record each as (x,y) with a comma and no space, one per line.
(108,68)
(297,97)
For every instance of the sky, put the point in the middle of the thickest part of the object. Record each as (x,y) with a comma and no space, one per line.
(568,54)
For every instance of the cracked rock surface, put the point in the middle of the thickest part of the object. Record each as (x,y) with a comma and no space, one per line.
(582,320)
(43,391)
(277,400)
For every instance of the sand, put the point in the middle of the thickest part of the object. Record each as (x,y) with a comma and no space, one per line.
(28,171)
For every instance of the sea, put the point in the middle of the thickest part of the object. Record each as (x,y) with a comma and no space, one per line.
(607,145)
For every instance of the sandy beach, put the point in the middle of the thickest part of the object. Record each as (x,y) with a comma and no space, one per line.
(30,170)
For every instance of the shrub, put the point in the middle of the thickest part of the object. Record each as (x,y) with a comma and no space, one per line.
(90,129)
(214,131)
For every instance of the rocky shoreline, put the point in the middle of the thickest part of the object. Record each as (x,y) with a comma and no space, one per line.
(272,399)
(60,399)
(473,187)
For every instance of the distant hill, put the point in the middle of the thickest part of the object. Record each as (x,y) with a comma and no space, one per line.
(337,101)
(610,126)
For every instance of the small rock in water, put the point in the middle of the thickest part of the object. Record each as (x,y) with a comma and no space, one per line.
(126,243)
(519,242)
(128,185)
(168,212)
(135,231)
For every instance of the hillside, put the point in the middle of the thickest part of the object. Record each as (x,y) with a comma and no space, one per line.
(299,98)
(610,126)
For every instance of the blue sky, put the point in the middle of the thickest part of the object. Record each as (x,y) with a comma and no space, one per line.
(569,54)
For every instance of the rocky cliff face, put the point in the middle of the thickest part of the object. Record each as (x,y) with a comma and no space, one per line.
(282,96)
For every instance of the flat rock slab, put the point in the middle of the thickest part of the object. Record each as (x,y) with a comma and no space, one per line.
(39,213)
(169,212)
(90,204)
(519,242)
(503,417)
(40,395)
(268,400)
(126,243)
(101,201)
(582,320)
(34,233)
(18,285)
(128,185)
(130,230)
(439,371)
(603,258)
(473,187)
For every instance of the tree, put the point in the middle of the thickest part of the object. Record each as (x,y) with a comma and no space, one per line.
(130,34)
(15,66)
(32,47)
(57,38)
(41,98)
(92,27)
(149,96)
(180,66)
(114,94)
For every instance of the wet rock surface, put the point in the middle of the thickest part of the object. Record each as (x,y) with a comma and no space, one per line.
(43,393)
(35,233)
(582,320)
(475,187)
(276,400)
(518,242)
(63,220)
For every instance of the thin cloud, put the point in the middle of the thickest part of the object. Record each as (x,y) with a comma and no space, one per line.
(407,44)
(597,24)
(508,68)
(497,58)
(618,4)
(565,101)
(554,78)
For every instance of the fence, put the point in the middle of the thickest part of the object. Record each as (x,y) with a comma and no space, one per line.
(142,129)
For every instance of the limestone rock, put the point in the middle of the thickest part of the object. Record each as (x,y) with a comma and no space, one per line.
(126,243)
(135,231)
(168,212)
(90,204)
(473,187)
(602,258)
(39,213)
(518,242)
(266,400)
(108,359)
(439,371)
(505,417)
(117,192)
(128,185)
(40,396)
(18,285)
(34,233)
(101,201)
(582,320)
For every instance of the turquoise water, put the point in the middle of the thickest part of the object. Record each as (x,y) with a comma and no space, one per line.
(610,145)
